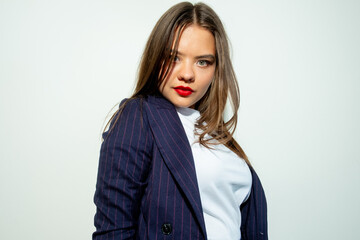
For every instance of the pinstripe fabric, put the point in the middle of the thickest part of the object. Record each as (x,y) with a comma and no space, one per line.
(254,212)
(147,178)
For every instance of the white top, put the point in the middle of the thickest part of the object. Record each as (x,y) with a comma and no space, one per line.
(224,182)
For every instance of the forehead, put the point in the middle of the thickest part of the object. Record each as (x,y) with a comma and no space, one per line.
(195,40)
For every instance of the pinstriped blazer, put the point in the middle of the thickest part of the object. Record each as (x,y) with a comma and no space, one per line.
(147,186)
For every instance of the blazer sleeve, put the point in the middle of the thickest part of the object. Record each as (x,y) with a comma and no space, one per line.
(254,212)
(125,161)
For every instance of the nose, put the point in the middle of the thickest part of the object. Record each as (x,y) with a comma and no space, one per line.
(186,72)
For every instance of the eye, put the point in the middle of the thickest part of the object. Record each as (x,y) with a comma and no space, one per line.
(176,59)
(204,63)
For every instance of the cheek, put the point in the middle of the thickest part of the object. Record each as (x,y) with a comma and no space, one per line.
(206,88)
(163,85)
(207,80)
(170,75)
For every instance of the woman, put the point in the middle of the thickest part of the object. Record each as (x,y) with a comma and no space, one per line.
(169,166)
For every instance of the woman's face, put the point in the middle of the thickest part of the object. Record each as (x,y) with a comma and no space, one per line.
(193,68)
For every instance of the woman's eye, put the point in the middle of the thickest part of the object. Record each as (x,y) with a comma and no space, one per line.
(203,63)
(176,59)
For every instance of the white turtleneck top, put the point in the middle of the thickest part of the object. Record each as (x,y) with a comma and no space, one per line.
(224,182)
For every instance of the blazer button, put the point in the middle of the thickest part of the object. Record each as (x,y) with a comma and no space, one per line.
(166,228)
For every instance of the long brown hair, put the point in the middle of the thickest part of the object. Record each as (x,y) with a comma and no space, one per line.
(156,62)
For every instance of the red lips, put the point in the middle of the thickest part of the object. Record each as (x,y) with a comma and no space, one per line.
(183,91)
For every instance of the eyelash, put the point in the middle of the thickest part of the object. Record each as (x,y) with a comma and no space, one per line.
(206,62)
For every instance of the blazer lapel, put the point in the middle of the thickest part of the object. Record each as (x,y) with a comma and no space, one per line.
(173,144)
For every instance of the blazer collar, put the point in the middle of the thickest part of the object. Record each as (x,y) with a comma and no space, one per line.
(174,146)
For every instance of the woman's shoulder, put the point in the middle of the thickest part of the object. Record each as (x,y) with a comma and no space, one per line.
(150,101)
(130,112)
(131,106)
(131,103)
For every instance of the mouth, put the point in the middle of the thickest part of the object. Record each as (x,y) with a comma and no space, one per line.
(183,91)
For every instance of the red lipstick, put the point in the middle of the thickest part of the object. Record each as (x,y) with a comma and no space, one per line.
(183,91)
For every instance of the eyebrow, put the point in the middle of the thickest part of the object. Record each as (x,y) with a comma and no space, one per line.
(212,57)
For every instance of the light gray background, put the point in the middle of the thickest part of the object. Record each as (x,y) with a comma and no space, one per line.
(65,64)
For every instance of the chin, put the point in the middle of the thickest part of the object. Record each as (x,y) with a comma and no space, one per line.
(183,104)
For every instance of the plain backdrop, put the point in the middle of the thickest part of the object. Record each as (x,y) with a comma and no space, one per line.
(65,64)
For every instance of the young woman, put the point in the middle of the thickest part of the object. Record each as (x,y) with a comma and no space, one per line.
(169,166)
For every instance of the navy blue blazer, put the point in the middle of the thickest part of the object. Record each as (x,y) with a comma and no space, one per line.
(147,186)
